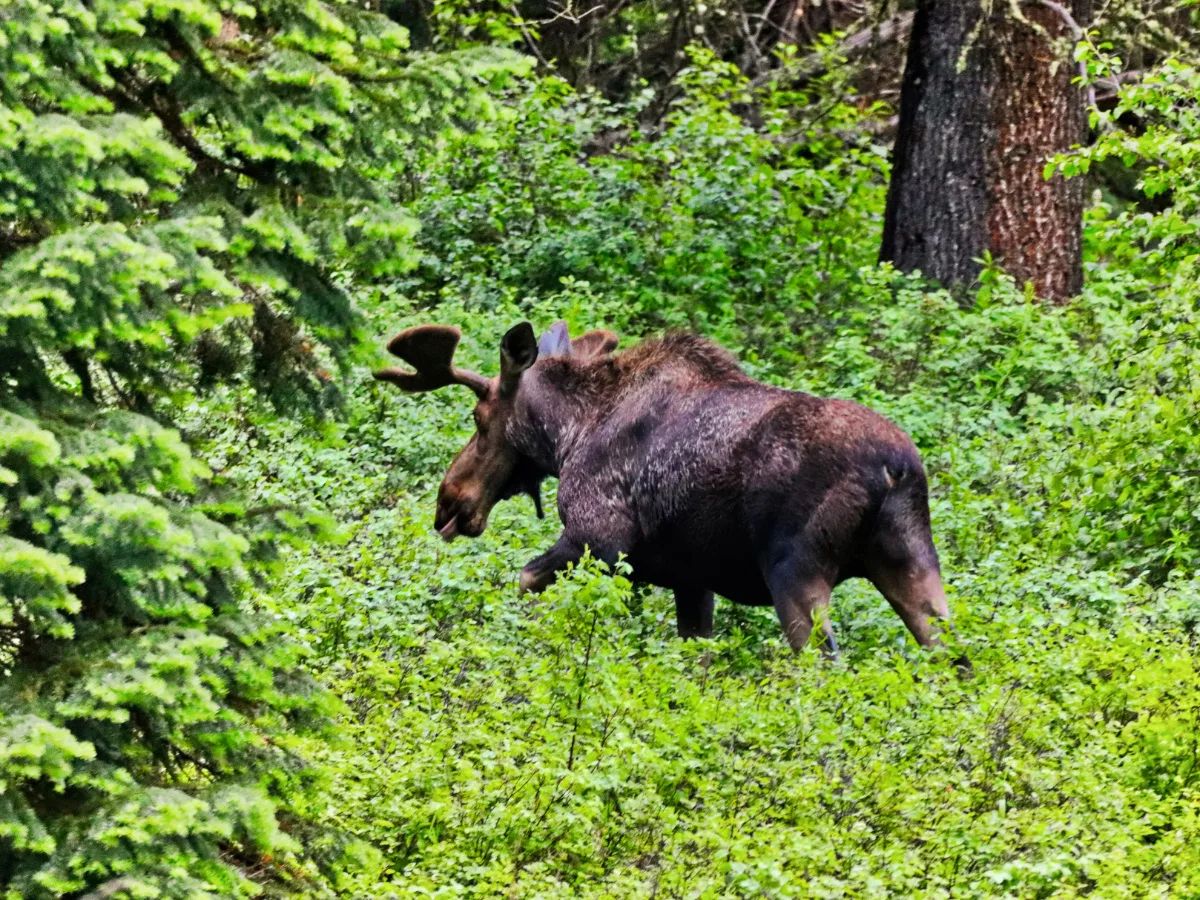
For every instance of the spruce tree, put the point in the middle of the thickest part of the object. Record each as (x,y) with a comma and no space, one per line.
(182,186)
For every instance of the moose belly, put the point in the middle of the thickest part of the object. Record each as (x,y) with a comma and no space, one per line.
(709,555)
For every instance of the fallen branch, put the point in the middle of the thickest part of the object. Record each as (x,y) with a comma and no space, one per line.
(876,34)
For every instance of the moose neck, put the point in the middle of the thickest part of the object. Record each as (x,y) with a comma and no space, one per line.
(559,403)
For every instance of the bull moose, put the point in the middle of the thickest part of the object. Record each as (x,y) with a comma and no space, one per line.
(706,480)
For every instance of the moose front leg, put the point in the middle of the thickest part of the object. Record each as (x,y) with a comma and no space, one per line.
(605,530)
(800,593)
(540,572)
(694,612)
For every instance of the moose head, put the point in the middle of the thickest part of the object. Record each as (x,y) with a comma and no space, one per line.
(489,468)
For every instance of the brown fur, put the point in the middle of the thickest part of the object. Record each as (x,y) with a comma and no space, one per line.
(704,479)
(685,360)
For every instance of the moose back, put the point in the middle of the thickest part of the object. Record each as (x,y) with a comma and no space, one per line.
(705,479)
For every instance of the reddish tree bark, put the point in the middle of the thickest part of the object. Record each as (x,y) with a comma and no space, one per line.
(986,100)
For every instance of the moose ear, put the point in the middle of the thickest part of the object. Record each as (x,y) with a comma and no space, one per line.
(594,343)
(555,342)
(518,351)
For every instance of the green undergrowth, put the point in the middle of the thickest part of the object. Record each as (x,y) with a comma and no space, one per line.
(573,746)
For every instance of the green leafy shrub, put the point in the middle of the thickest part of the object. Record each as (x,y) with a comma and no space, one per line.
(712,224)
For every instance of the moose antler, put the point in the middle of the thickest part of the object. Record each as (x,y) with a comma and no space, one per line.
(594,343)
(430,350)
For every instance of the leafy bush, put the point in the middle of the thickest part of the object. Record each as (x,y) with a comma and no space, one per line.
(712,224)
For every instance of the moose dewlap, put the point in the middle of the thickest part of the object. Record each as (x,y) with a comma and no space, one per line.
(708,481)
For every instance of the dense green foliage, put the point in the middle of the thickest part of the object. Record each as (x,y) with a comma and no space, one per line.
(195,702)
(715,225)
(572,746)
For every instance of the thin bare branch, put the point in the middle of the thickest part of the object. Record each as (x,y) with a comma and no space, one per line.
(816,64)
(528,37)
(764,18)
(573,18)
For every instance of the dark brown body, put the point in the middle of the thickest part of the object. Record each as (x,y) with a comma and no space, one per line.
(708,482)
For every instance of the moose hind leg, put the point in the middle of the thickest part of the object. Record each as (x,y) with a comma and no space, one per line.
(915,592)
(800,594)
(694,612)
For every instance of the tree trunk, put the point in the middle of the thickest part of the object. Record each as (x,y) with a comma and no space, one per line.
(986,100)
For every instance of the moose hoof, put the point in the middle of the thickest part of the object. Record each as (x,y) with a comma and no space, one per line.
(964,669)
(530,582)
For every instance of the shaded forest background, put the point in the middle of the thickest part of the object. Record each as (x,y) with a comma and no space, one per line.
(234,659)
